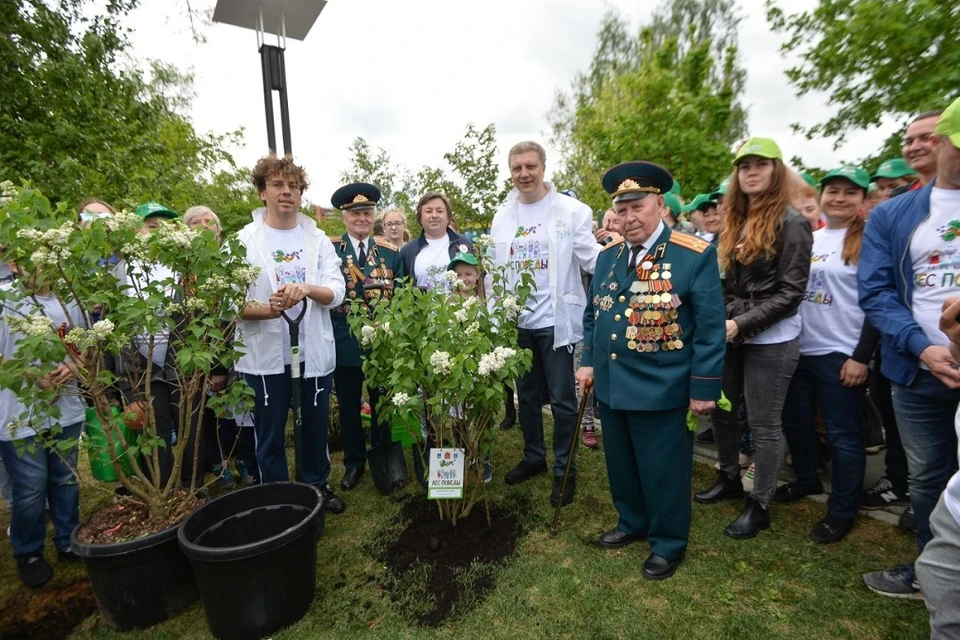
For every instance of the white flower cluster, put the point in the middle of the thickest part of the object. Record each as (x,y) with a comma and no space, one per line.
(386,327)
(245,275)
(469,302)
(460,315)
(86,338)
(493,362)
(472,328)
(441,363)
(196,304)
(367,334)
(7,192)
(53,243)
(400,399)
(510,304)
(44,257)
(176,236)
(135,251)
(35,325)
(450,277)
(484,241)
(123,220)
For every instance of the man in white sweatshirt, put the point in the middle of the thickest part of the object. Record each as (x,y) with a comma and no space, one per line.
(297,264)
(549,235)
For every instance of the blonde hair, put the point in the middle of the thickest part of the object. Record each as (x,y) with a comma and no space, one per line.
(525,147)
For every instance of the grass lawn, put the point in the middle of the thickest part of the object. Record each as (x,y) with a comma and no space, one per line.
(778,585)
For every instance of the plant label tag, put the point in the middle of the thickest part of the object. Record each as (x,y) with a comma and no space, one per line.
(445,481)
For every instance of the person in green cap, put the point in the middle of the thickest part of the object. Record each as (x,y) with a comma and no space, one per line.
(154,214)
(906,276)
(671,212)
(764,250)
(891,175)
(467,268)
(836,347)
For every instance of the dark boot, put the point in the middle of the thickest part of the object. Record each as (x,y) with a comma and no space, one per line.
(750,522)
(726,488)
(510,415)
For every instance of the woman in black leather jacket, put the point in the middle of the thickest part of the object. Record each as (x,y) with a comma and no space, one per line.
(765,249)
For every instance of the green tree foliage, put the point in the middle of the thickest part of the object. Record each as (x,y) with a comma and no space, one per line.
(669,95)
(873,58)
(472,182)
(80,118)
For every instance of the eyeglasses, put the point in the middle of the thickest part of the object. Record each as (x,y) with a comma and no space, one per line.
(923,137)
(391,225)
(87,216)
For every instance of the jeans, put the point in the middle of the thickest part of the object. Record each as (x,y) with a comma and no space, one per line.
(817,381)
(6,489)
(552,368)
(272,403)
(938,571)
(761,373)
(40,477)
(895,458)
(925,417)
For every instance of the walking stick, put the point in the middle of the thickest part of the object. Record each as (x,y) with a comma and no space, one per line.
(587,387)
(294,325)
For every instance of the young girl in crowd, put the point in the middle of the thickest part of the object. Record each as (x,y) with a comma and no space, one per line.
(40,475)
(467,268)
(834,359)
(764,250)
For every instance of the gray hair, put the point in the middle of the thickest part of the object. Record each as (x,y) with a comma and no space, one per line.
(195,212)
(525,147)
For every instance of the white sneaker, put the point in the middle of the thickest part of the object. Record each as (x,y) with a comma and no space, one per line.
(748,477)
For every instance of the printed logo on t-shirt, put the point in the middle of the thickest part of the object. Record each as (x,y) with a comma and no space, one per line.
(525,256)
(941,266)
(523,232)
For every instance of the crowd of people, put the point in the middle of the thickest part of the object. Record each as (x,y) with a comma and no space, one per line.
(775,301)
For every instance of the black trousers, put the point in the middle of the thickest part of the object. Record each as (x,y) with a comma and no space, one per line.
(349,385)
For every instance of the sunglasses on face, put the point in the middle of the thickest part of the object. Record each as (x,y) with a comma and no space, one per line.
(87,216)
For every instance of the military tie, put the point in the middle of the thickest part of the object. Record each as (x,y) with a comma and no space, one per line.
(362,255)
(634,252)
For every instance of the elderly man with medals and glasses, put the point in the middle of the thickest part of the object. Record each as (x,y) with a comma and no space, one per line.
(371,268)
(654,343)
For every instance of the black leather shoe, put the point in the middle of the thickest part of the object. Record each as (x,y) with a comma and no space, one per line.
(615,539)
(750,522)
(726,488)
(332,503)
(570,489)
(796,490)
(524,471)
(658,568)
(350,478)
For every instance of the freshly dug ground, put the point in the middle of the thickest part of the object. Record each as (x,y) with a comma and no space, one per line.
(437,569)
(48,614)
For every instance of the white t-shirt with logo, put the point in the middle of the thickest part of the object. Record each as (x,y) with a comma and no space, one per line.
(286,252)
(830,312)
(431,264)
(530,251)
(935,255)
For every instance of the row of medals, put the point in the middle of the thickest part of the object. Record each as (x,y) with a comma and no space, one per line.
(652,313)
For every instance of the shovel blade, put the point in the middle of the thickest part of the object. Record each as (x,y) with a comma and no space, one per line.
(388,467)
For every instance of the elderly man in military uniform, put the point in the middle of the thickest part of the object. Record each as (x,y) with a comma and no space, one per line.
(654,342)
(371,267)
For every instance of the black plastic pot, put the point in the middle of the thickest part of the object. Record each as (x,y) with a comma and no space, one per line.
(138,583)
(254,555)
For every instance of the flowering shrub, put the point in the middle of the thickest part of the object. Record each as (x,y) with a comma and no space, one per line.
(448,359)
(128,290)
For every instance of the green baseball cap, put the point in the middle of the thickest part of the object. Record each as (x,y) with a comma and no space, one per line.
(464,257)
(675,189)
(701,202)
(672,202)
(893,168)
(809,179)
(763,147)
(722,189)
(850,172)
(155,209)
(949,123)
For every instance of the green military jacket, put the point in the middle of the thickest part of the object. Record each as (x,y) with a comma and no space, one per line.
(383,266)
(656,336)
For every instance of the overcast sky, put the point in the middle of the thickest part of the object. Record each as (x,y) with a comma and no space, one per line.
(408,75)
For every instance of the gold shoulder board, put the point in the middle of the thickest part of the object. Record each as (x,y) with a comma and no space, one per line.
(386,244)
(612,245)
(687,241)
